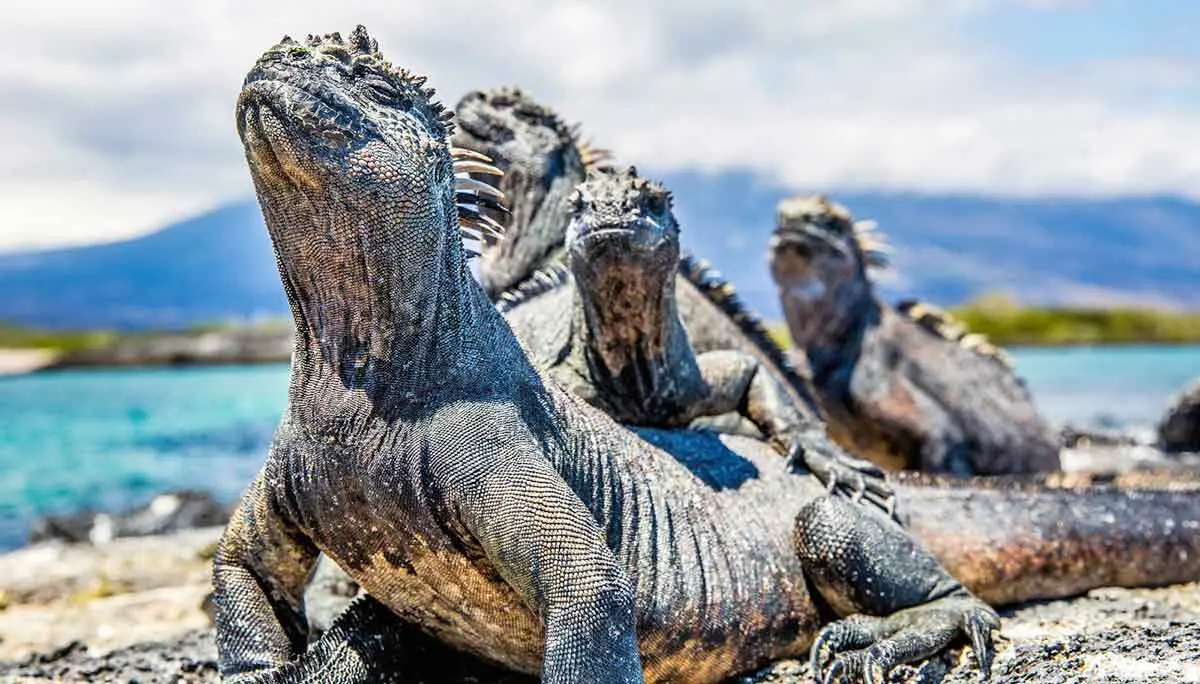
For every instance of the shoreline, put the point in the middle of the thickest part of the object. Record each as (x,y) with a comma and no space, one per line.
(23,361)
(19,361)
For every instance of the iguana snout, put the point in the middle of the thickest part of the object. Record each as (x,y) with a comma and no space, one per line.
(623,216)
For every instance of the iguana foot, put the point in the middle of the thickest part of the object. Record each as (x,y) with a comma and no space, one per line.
(365,644)
(864,564)
(845,475)
(864,648)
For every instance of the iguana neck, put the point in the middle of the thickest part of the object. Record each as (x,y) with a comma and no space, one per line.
(632,341)
(830,327)
(376,324)
(539,218)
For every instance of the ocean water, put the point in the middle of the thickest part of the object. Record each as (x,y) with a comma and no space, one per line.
(112,439)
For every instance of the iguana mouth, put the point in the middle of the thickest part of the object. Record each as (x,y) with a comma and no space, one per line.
(802,240)
(638,235)
(268,105)
(642,236)
(275,164)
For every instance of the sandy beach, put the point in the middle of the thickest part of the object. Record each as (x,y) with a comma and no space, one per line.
(16,361)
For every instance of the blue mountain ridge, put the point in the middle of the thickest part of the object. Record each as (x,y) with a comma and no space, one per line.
(219,267)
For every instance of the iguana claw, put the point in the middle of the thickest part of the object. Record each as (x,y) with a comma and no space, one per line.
(865,648)
(845,475)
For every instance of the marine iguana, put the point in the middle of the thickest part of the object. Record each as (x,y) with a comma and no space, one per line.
(919,393)
(543,160)
(472,497)
(606,326)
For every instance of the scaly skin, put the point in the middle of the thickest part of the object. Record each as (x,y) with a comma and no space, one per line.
(544,160)
(623,349)
(474,498)
(915,399)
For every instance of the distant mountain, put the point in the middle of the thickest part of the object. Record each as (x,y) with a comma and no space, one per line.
(949,249)
(218,266)
(213,267)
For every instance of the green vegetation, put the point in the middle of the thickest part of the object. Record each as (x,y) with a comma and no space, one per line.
(17,337)
(1007,323)
(996,315)
(66,341)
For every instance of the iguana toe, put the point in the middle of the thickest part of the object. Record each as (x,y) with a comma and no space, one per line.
(865,648)
(846,475)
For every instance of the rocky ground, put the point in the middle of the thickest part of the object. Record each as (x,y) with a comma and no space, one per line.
(130,610)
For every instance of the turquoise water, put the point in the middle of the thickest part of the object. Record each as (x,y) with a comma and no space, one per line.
(1097,386)
(113,438)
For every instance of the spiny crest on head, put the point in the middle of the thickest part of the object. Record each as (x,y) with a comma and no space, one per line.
(872,243)
(941,323)
(624,185)
(360,54)
(812,208)
(514,98)
(592,157)
(473,196)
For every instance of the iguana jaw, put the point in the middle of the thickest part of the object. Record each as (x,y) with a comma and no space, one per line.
(356,185)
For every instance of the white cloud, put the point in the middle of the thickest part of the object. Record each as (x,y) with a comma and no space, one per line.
(117,116)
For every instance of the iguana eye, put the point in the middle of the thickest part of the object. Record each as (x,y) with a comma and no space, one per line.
(381,91)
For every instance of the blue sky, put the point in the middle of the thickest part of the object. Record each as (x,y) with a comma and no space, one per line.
(115,116)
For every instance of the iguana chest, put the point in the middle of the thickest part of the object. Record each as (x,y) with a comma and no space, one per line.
(703,531)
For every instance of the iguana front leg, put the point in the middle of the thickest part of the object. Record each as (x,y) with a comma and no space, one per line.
(547,545)
(735,382)
(903,605)
(259,573)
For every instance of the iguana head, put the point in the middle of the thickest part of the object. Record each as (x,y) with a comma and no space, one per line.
(543,159)
(359,189)
(623,250)
(819,259)
(622,232)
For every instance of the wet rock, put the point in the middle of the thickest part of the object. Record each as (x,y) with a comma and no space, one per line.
(189,658)
(180,510)
(1179,430)
(1076,436)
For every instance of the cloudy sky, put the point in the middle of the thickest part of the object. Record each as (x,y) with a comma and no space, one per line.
(116,116)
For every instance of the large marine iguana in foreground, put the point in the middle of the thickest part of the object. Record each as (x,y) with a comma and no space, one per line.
(919,392)
(471,496)
(605,325)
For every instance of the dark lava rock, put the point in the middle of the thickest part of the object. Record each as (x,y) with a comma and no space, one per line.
(179,510)
(1179,430)
(1110,635)
(190,658)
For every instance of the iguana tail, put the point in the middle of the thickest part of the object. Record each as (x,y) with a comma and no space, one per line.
(1012,539)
